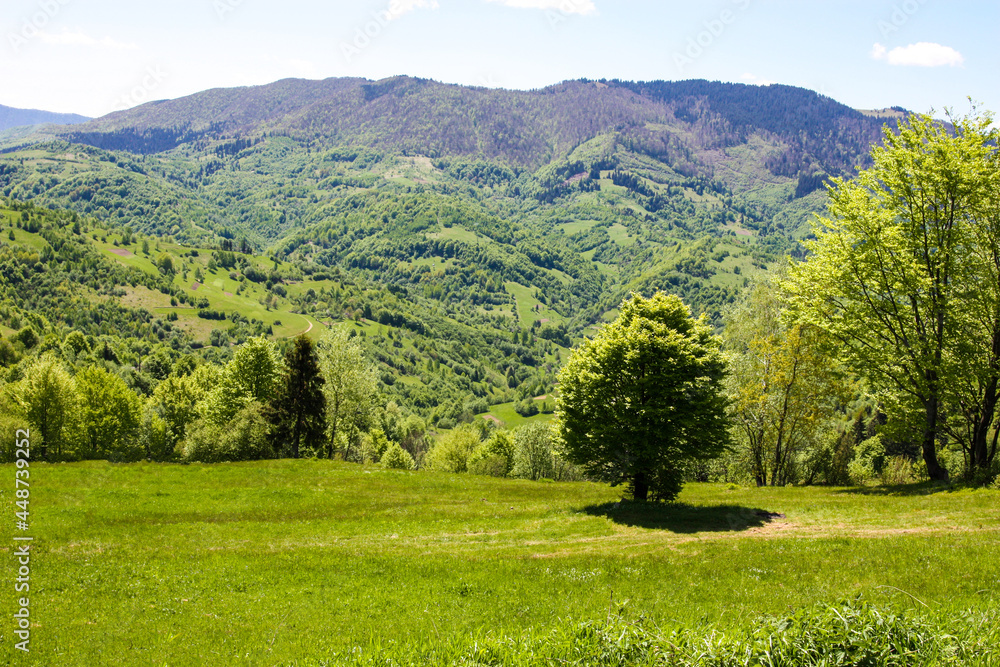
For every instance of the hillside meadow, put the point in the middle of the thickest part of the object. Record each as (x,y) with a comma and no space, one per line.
(300,561)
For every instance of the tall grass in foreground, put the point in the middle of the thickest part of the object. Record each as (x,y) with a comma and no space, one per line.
(853,633)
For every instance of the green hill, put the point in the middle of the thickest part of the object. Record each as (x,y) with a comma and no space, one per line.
(470,235)
(140,300)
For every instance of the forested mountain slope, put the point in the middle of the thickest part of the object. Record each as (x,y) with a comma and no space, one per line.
(520,214)
(13,117)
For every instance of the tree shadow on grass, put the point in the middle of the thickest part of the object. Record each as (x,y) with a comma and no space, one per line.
(916,489)
(683,518)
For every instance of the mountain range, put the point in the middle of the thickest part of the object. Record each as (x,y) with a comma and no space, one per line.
(512,215)
(11,117)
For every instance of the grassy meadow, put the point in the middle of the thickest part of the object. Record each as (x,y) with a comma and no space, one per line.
(290,562)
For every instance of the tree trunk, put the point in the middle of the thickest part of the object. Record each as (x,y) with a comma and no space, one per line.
(929,445)
(982,456)
(640,487)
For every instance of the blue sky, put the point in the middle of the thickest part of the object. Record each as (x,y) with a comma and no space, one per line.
(97,56)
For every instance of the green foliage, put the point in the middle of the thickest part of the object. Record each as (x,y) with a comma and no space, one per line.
(495,456)
(155,436)
(373,446)
(27,337)
(893,276)
(783,384)
(297,411)
(175,402)
(349,387)
(452,451)
(868,462)
(397,458)
(413,437)
(75,343)
(47,399)
(253,375)
(110,416)
(534,457)
(243,438)
(644,397)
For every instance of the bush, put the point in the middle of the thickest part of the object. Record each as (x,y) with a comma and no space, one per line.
(527,408)
(397,458)
(534,458)
(452,451)
(899,470)
(244,438)
(373,446)
(495,457)
(869,459)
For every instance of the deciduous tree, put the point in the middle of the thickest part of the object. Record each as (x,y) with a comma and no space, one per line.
(110,415)
(644,397)
(252,376)
(349,385)
(783,383)
(893,265)
(47,395)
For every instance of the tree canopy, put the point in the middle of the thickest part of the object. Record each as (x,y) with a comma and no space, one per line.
(903,273)
(298,410)
(644,397)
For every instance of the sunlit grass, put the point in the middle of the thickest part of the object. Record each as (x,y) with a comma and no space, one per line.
(260,563)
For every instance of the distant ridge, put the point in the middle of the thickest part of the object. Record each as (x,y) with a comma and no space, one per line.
(12,117)
(525,128)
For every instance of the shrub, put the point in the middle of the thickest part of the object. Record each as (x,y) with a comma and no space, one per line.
(244,438)
(869,459)
(898,470)
(397,458)
(452,451)
(534,458)
(527,408)
(495,457)
(373,446)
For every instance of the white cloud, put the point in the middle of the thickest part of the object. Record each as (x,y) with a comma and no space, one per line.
(79,38)
(399,7)
(921,54)
(565,6)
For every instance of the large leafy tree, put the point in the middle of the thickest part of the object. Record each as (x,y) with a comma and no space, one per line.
(253,375)
(783,383)
(110,414)
(298,410)
(349,386)
(644,397)
(893,264)
(974,391)
(47,395)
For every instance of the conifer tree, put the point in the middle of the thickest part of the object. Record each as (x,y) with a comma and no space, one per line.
(298,410)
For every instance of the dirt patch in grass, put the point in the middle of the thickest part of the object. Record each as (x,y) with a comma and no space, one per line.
(122,252)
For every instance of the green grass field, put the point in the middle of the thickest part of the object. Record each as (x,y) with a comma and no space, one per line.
(529,308)
(508,417)
(273,562)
